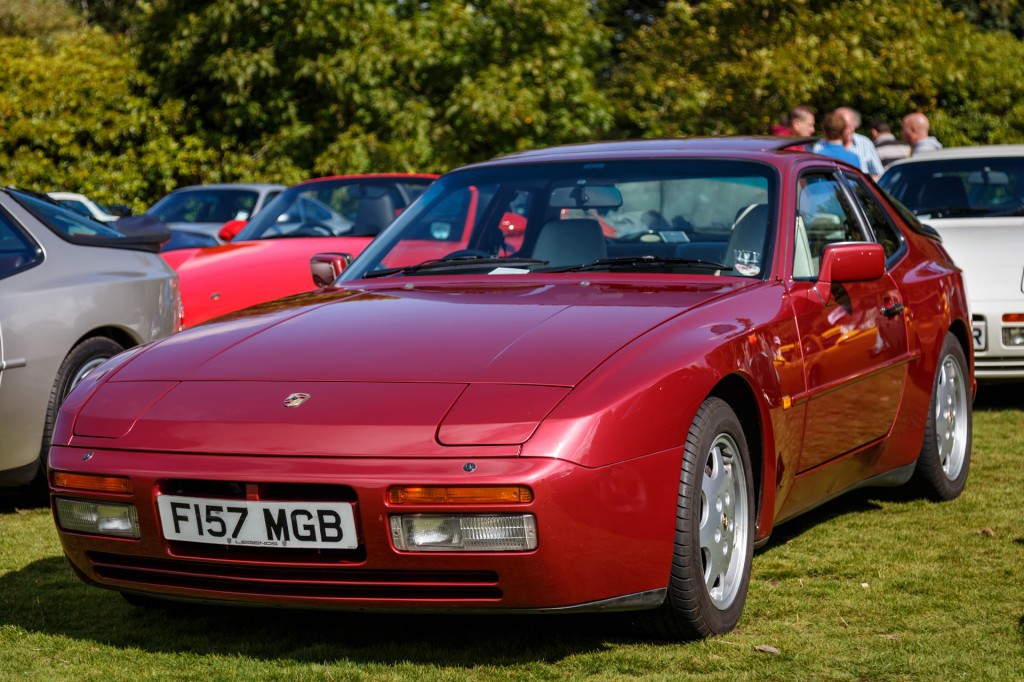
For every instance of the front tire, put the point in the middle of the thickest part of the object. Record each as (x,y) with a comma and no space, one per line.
(945,456)
(714,542)
(83,358)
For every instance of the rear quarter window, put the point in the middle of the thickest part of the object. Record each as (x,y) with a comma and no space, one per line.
(17,251)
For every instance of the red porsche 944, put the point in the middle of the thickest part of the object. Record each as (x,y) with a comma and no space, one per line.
(633,361)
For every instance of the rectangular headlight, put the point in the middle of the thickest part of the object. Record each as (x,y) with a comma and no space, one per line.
(464,532)
(98,518)
(1013,337)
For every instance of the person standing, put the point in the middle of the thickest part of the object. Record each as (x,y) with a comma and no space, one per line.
(915,133)
(831,143)
(857,143)
(888,147)
(799,123)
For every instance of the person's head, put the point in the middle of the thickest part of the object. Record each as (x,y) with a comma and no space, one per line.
(915,128)
(879,127)
(801,121)
(852,118)
(833,128)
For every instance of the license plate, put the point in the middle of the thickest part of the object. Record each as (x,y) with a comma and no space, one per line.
(322,525)
(980,342)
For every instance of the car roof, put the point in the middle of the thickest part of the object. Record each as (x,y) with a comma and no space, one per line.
(663,147)
(980,151)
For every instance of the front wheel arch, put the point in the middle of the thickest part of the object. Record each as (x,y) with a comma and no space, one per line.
(741,398)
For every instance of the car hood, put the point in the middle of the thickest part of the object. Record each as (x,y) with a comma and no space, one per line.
(551,334)
(399,369)
(990,251)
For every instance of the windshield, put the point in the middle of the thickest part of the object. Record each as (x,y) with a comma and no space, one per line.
(335,207)
(205,206)
(65,222)
(645,215)
(950,188)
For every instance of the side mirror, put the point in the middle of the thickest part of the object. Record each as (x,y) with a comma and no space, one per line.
(231,228)
(325,267)
(849,262)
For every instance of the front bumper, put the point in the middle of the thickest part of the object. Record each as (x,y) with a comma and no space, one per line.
(605,536)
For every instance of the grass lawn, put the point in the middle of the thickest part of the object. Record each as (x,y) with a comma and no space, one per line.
(873,586)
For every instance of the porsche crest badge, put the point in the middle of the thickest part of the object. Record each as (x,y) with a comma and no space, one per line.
(296,399)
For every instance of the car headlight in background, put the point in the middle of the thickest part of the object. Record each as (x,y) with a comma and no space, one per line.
(1013,337)
(464,532)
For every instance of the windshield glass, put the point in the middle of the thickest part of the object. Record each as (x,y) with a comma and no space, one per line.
(63,221)
(949,188)
(205,206)
(335,207)
(604,215)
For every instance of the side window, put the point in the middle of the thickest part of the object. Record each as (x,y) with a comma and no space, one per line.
(824,216)
(886,233)
(17,252)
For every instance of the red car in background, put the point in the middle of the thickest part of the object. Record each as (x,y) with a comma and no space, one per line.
(500,407)
(270,257)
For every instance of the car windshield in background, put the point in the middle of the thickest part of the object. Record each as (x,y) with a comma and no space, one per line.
(205,206)
(956,188)
(332,208)
(65,222)
(668,216)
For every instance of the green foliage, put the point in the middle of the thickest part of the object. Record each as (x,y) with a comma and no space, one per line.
(725,67)
(76,115)
(36,18)
(994,15)
(339,86)
(160,93)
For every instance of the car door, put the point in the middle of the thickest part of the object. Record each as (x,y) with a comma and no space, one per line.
(853,341)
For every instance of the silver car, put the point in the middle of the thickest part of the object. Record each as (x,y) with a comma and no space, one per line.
(73,293)
(196,214)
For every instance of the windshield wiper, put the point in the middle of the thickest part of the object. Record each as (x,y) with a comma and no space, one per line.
(458,262)
(628,262)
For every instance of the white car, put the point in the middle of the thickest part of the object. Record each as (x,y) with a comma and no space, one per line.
(79,203)
(974,198)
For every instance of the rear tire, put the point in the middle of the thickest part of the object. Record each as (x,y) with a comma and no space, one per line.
(945,456)
(714,542)
(83,358)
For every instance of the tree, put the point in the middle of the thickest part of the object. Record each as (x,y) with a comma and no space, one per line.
(341,86)
(722,67)
(75,114)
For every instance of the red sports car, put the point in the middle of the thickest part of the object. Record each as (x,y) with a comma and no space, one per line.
(270,257)
(570,422)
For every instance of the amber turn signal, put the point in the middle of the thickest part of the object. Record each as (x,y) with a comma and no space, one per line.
(1013,317)
(98,484)
(457,495)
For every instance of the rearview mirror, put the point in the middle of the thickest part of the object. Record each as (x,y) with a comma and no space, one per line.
(586,196)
